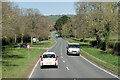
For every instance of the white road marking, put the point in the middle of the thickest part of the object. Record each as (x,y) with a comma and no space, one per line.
(39,60)
(61,49)
(63,61)
(100,68)
(67,68)
(34,68)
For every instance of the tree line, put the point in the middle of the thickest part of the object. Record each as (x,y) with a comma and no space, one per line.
(21,25)
(93,19)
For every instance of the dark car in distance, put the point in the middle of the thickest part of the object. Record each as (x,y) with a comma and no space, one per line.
(24,45)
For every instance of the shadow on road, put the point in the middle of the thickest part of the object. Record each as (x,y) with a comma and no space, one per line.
(49,67)
(72,55)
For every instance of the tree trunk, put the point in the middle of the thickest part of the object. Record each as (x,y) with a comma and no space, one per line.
(15,38)
(22,38)
(31,40)
(107,28)
(98,41)
(106,44)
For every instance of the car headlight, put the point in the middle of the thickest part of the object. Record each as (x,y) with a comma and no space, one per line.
(69,50)
(78,51)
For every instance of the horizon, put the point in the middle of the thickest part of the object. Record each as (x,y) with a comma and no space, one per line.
(50,8)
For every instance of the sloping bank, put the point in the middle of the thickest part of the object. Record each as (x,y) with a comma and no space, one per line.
(18,63)
(101,58)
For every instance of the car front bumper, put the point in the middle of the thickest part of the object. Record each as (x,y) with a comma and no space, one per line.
(73,52)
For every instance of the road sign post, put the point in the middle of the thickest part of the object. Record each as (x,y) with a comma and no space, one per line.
(28,46)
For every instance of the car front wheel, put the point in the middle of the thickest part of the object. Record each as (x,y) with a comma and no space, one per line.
(67,53)
(41,67)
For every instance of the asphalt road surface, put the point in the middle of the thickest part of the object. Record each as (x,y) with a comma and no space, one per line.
(69,66)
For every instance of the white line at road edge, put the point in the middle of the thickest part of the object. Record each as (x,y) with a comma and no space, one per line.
(100,67)
(63,61)
(67,68)
(38,61)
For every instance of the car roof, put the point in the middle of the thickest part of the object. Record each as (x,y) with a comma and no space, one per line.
(48,53)
(73,43)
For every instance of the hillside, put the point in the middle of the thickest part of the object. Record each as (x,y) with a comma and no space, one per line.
(55,17)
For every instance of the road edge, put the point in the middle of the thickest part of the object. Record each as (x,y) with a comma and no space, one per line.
(39,60)
(108,72)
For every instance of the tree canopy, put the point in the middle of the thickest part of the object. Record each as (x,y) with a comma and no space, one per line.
(60,22)
(20,24)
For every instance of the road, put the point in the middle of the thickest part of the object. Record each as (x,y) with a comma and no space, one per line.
(69,66)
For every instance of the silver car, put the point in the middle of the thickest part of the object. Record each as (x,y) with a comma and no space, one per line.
(73,48)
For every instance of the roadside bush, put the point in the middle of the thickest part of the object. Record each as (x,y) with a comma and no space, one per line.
(93,43)
(111,44)
(87,40)
(114,48)
(110,51)
(103,45)
(117,49)
(81,40)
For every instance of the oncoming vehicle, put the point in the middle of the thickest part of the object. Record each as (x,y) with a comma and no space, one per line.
(48,59)
(73,48)
(56,35)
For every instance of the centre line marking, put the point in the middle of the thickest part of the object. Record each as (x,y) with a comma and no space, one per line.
(67,68)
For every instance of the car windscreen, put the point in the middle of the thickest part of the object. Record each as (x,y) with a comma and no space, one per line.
(74,46)
(49,56)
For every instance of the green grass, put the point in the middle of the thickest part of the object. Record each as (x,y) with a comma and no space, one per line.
(49,43)
(106,65)
(101,38)
(17,63)
(0,69)
(99,54)
(89,38)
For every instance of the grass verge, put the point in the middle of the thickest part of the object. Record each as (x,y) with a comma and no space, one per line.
(110,59)
(17,63)
(48,43)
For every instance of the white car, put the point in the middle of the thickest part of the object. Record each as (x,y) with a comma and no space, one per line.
(48,59)
(73,48)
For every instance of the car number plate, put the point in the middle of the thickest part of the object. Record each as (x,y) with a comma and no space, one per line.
(49,63)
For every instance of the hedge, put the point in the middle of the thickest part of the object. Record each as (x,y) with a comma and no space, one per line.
(113,46)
